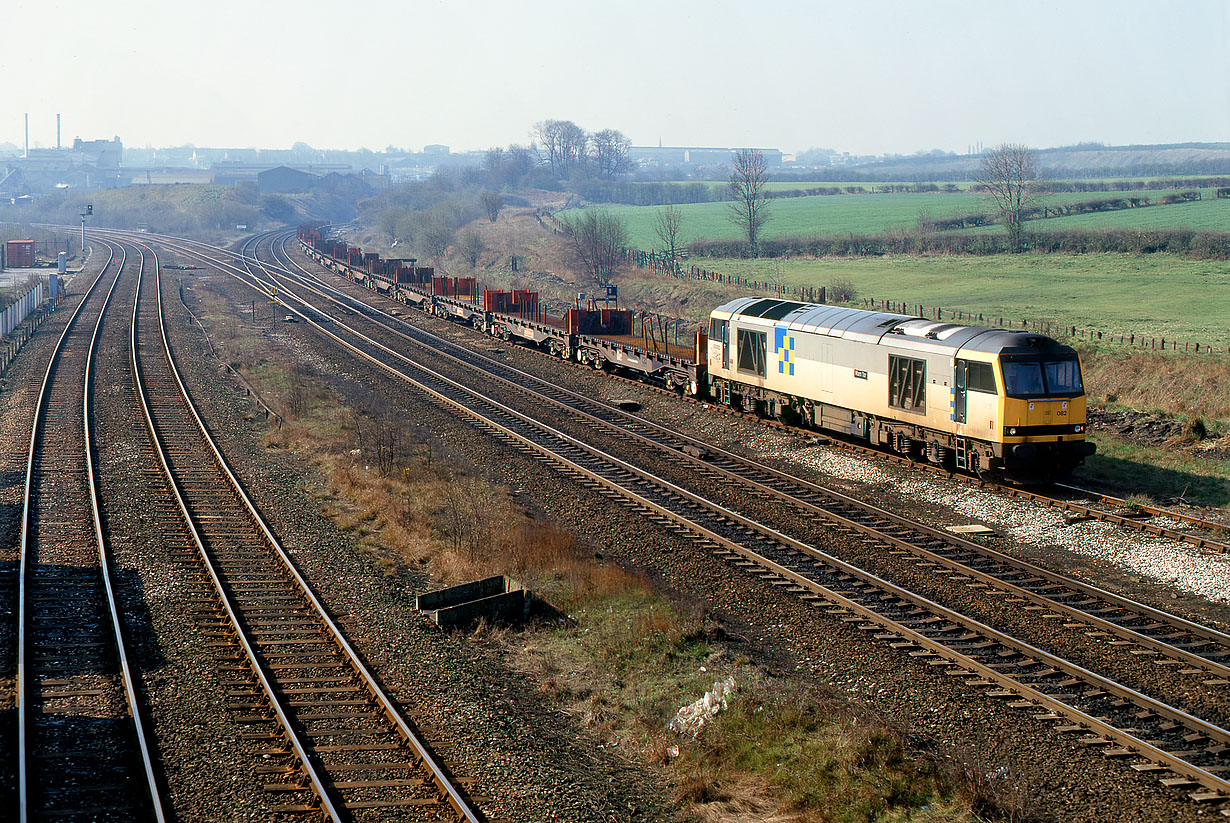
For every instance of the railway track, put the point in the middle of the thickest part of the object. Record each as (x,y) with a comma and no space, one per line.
(1204,651)
(1186,750)
(335,743)
(83,751)
(1040,678)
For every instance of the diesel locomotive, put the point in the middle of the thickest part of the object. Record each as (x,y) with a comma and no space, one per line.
(989,401)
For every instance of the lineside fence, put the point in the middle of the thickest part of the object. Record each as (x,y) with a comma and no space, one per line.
(14,328)
(654,262)
(20,309)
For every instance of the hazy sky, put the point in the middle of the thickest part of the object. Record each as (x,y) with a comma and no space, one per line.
(865,76)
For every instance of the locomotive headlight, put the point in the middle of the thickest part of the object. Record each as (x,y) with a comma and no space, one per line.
(1078,429)
(1011,431)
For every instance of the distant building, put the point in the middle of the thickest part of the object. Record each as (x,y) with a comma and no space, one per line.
(285,180)
(435,148)
(88,164)
(103,155)
(693,156)
(378,182)
(12,182)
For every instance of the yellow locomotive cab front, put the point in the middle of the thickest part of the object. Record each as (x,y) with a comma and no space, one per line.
(1042,406)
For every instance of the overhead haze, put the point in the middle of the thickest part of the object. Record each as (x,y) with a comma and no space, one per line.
(865,77)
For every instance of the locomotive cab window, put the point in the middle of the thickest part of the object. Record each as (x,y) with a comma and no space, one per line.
(979,377)
(1063,377)
(1030,378)
(751,351)
(907,383)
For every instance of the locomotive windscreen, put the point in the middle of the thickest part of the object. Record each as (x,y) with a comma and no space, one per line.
(1033,378)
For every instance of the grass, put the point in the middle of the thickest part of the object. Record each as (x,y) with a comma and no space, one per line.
(886,213)
(1176,385)
(803,185)
(1150,296)
(836,214)
(1208,214)
(828,762)
(1155,296)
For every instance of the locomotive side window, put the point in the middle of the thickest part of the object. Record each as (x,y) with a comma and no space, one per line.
(751,351)
(719,330)
(981,378)
(907,383)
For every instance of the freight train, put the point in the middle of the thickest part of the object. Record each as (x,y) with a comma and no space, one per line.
(991,402)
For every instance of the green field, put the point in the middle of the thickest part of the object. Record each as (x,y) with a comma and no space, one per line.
(836,214)
(783,185)
(1156,296)
(886,213)
(1208,214)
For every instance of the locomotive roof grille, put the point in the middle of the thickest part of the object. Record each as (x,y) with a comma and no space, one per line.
(771,309)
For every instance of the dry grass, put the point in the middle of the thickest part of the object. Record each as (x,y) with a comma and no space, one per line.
(1177,384)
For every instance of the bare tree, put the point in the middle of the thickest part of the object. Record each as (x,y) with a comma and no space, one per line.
(388,220)
(596,241)
(1007,174)
(492,203)
(610,153)
(668,227)
(564,142)
(470,245)
(519,162)
(493,161)
(433,238)
(749,207)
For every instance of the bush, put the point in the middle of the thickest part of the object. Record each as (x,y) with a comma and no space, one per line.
(841,291)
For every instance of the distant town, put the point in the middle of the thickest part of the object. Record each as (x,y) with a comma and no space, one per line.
(94,164)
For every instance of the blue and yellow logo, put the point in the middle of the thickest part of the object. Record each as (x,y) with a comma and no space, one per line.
(783,347)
